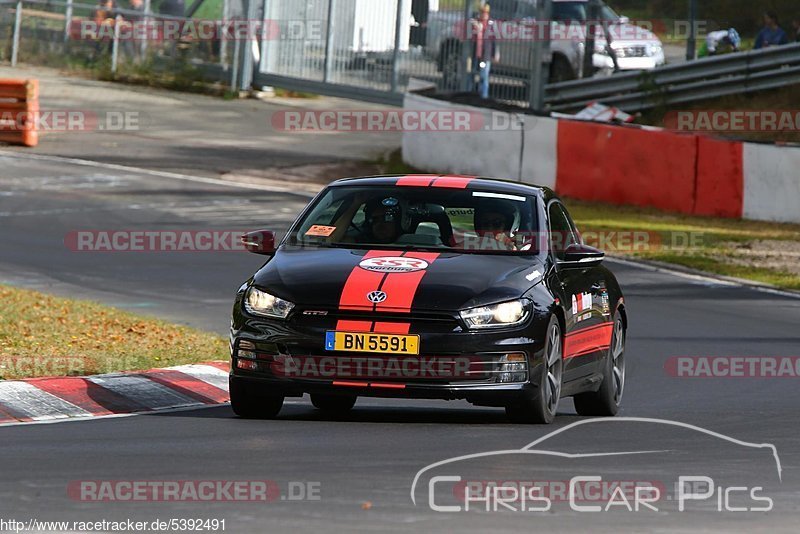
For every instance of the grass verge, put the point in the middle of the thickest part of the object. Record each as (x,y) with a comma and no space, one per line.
(43,335)
(753,250)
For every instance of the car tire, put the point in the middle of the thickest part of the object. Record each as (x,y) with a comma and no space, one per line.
(333,404)
(250,407)
(541,405)
(605,401)
(561,70)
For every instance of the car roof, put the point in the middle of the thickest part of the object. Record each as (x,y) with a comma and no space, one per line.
(457,181)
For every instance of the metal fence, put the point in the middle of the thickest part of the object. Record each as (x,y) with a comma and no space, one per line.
(116,42)
(371,49)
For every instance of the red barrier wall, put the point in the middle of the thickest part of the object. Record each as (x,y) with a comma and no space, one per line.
(720,178)
(620,165)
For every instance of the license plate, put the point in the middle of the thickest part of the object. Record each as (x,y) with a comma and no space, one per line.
(371,342)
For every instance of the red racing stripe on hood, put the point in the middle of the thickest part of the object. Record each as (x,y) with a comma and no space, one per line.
(361,282)
(400,288)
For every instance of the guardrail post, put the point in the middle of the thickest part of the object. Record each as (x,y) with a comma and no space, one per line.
(266,28)
(146,19)
(466,82)
(592,16)
(67,20)
(691,42)
(329,36)
(115,45)
(398,27)
(540,71)
(223,43)
(17,30)
(250,41)
(235,65)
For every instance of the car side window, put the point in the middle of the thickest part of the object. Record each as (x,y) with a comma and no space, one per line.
(561,230)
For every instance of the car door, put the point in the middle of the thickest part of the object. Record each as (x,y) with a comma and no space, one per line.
(580,289)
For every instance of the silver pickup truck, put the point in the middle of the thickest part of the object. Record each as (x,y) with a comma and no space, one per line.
(636,48)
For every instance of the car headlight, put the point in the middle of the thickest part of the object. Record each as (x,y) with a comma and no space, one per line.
(496,316)
(261,303)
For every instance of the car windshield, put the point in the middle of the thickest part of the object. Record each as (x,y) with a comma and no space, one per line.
(422,218)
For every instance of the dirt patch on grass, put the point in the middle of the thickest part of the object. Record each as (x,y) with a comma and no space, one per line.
(768,254)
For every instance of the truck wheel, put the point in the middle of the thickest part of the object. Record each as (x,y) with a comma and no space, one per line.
(561,70)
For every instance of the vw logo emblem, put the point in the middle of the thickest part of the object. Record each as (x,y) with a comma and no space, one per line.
(376,297)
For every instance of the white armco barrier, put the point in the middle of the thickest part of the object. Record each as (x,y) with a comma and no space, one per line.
(771,182)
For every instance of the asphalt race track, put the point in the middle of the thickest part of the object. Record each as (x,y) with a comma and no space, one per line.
(359,471)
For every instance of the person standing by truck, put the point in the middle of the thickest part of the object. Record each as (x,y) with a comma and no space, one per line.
(485,49)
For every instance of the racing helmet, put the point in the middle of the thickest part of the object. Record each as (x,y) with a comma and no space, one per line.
(394,210)
(506,209)
(733,38)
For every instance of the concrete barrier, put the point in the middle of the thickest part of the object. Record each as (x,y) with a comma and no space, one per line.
(771,182)
(649,167)
(483,150)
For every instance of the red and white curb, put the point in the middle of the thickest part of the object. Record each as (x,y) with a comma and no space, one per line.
(59,398)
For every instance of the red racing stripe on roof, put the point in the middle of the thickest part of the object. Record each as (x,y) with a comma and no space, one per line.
(453,182)
(415,180)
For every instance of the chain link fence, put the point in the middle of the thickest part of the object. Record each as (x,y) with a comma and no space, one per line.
(132,44)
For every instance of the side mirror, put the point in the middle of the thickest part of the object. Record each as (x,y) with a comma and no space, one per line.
(581,256)
(259,242)
(624,20)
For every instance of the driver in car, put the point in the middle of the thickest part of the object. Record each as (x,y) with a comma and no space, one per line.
(494,223)
(384,220)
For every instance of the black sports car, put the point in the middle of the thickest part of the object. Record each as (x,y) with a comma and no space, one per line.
(435,287)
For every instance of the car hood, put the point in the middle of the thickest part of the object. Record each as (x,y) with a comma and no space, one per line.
(332,278)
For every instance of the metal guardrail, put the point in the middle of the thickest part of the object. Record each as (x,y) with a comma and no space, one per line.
(705,78)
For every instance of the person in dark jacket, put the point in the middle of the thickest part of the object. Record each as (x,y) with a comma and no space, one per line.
(771,34)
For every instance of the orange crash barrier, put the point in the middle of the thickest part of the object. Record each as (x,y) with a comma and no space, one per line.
(19,109)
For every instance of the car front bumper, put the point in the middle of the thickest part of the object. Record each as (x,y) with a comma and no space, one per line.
(288,358)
